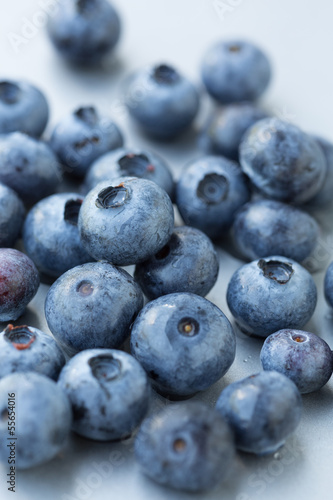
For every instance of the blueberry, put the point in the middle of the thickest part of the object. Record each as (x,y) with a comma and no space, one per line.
(184,342)
(23,108)
(82,137)
(109,393)
(25,348)
(267,227)
(328,285)
(302,356)
(235,71)
(209,192)
(187,447)
(42,418)
(28,166)
(227,126)
(124,162)
(324,197)
(263,410)
(162,101)
(92,305)
(283,162)
(51,237)
(270,294)
(84,31)
(12,214)
(126,221)
(19,282)
(187,263)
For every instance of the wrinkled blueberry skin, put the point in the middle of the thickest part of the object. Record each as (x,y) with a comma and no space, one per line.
(209,192)
(28,166)
(19,282)
(282,161)
(51,237)
(109,392)
(328,285)
(25,348)
(23,108)
(84,31)
(187,263)
(185,446)
(302,356)
(43,418)
(124,162)
(235,71)
(262,410)
(82,137)
(92,306)
(226,128)
(12,214)
(324,197)
(126,227)
(267,227)
(179,362)
(271,294)
(167,104)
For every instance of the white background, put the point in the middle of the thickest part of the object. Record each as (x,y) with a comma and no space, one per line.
(298,36)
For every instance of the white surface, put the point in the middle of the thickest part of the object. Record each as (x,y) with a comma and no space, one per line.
(298,37)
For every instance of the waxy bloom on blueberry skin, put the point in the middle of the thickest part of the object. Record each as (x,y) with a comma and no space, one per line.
(82,137)
(23,108)
(187,447)
(262,410)
(109,393)
(124,162)
(184,342)
(125,221)
(51,237)
(25,348)
(302,356)
(43,418)
(187,263)
(209,192)
(84,32)
(268,227)
(282,161)
(91,306)
(235,71)
(161,100)
(19,282)
(270,294)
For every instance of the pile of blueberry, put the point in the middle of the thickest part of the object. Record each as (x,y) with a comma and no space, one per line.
(254,176)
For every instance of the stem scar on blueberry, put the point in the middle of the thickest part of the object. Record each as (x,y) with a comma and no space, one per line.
(72,209)
(21,337)
(298,338)
(135,165)
(281,272)
(87,114)
(112,197)
(179,445)
(188,327)
(165,74)
(85,288)
(213,189)
(105,368)
(234,48)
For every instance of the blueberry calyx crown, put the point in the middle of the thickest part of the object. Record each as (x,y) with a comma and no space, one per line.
(281,272)
(72,210)
(179,445)
(165,74)
(87,115)
(299,338)
(9,92)
(234,48)
(112,197)
(135,165)
(21,337)
(213,189)
(85,288)
(105,367)
(188,327)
